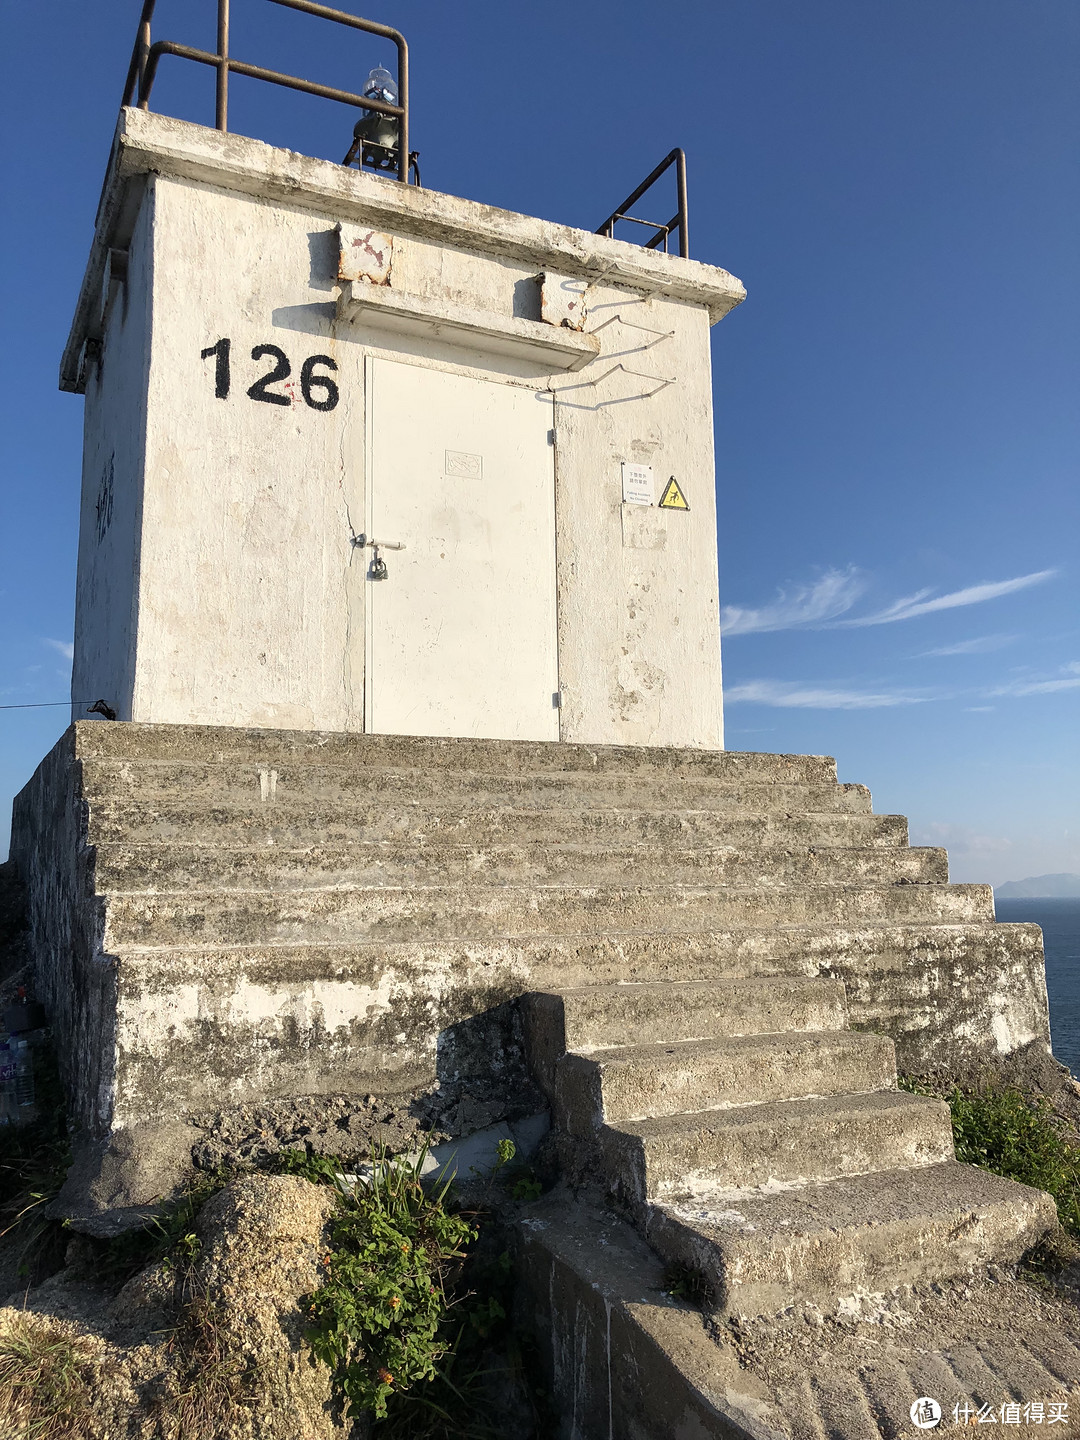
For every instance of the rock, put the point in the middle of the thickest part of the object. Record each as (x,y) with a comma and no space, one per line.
(216,1349)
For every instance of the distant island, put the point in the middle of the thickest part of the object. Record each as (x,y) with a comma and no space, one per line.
(1040,887)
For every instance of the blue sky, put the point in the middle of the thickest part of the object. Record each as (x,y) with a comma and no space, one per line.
(897,184)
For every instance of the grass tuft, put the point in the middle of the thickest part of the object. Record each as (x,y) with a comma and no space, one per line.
(48,1377)
(213,1383)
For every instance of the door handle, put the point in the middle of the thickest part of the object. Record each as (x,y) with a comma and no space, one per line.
(377,568)
(362,541)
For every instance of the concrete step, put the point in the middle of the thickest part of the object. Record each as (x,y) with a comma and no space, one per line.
(158,820)
(480,912)
(675,1158)
(636,1082)
(310,784)
(226,745)
(555,962)
(171,867)
(865,1234)
(595,1017)
(250,1006)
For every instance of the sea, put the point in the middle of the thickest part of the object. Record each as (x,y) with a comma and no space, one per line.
(1060,921)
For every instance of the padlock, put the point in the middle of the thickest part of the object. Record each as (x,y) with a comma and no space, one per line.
(378,567)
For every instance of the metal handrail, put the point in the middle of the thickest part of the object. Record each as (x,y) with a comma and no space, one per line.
(145,57)
(677,221)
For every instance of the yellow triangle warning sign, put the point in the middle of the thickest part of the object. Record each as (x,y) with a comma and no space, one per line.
(672,498)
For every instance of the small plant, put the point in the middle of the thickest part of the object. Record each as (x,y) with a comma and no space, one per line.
(526,1187)
(379,1319)
(684,1282)
(168,1237)
(48,1376)
(1018,1135)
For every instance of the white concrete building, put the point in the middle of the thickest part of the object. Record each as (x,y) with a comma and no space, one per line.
(300,378)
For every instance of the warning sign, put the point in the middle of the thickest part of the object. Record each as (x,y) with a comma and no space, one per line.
(637,484)
(672,498)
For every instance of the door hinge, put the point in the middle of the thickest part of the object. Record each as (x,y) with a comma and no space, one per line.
(551,437)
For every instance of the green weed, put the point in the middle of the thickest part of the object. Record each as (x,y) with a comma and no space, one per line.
(1018,1135)
(380,1318)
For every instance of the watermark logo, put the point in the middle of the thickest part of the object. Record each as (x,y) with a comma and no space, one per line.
(925,1413)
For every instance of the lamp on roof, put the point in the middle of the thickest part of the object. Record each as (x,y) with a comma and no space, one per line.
(377,133)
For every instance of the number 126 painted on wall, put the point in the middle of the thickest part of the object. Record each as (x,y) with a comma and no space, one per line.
(319,391)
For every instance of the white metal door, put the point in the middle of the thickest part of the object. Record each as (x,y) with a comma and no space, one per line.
(461,634)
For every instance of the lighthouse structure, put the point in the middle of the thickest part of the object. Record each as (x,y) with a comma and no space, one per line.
(406,792)
(362,456)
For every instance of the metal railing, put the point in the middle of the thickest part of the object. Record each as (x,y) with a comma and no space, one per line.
(146,55)
(663,231)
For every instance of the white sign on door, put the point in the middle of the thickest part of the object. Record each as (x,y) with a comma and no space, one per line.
(637,484)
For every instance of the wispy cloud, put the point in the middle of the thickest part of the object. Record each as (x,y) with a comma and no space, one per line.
(791,695)
(919,604)
(820,606)
(802,605)
(65,647)
(1067,678)
(981,645)
(960,839)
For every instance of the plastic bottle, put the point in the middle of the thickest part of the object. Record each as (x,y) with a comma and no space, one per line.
(24,1073)
(7,1082)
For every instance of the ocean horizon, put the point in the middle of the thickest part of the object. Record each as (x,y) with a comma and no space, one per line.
(1060,921)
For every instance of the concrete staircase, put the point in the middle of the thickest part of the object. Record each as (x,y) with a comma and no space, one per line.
(707,938)
(756,1140)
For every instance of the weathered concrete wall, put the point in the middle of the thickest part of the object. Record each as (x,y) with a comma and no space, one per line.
(114,453)
(75,980)
(621,1356)
(250,604)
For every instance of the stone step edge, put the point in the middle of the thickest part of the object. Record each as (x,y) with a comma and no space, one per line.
(642,1053)
(637,1347)
(662,888)
(92,743)
(754,982)
(414,849)
(685,1121)
(367,943)
(290,809)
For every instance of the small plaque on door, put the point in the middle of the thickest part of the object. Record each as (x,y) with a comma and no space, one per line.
(461,463)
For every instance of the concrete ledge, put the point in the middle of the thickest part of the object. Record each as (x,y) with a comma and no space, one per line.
(146,143)
(382,310)
(623,1358)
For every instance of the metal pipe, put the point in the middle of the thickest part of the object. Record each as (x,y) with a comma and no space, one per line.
(637,194)
(663,231)
(145,57)
(680,174)
(403,101)
(222,106)
(677,157)
(372,27)
(256,72)
(138,53)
